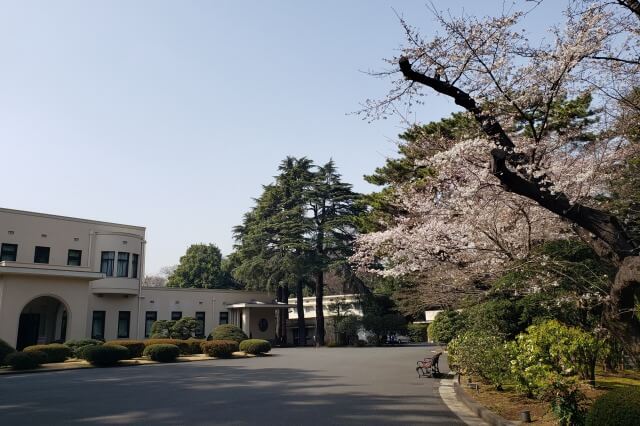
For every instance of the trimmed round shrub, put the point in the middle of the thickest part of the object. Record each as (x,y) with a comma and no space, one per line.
(619,407)
(135,347)
(255,346)
(220,348)
(105,355)
(77,345)
(195,346)
(25,360)
(5,349)
(55,352)
(183,345)
(229,332)
(162,352)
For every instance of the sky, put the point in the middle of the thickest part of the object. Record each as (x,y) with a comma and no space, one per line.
(172,114)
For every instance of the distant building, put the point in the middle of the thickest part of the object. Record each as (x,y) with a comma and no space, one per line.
(65,278)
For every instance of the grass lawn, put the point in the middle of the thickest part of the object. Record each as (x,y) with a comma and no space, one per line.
(509,404)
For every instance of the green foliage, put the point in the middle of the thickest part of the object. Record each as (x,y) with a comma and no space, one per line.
(161,329)
(200,267)
(135,347)
(162,352)
(184,328)
(499,316)
(195,346)
(105,355)
(229,332)
(55,352)
(220,348)
(5,349)
(481,354)
(255,346)
(446,326)
(619,407)
(346,328)
(383,326)
(549,351)
(25,360)
(417,332)
(78,345)
(566,402)
(185,346)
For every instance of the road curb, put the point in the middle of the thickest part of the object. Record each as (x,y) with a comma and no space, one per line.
(480,410)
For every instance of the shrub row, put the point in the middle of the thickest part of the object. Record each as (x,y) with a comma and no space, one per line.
(220,348)
(54,352)
(255,346)
(162,352)
(5,349)
(105,355)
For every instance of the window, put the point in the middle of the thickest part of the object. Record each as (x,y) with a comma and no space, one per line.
(149,318)
(134,266)
(97,325)
(123,264)
(176,315)
(106,264)
(224,318)
(124,319)
(74,257)
(200,328)
(41,255)
(263,324)
(8,252)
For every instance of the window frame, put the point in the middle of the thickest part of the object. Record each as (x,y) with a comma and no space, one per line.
(108,269)
(79,252)
(226,318)
(101,315)
(38,254)
(179,315)
(124,316)
(147,326)
(3,252)
(135,259)
(124,261)
(201,317)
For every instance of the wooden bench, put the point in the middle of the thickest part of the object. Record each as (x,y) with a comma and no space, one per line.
(428,367)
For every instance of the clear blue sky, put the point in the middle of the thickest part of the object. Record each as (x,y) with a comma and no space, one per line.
(172,114)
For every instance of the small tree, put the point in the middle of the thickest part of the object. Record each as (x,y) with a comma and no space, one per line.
(446,326)
(161,329)
(184,328)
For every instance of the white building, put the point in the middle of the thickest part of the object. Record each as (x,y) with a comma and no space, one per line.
(65,278)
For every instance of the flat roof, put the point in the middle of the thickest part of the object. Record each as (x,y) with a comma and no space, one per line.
(260,305)
(205,290)
(69,218)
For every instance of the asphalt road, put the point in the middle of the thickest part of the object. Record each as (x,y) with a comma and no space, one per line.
(297,386)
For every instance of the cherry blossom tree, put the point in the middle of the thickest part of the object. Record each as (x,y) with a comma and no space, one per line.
(526,178)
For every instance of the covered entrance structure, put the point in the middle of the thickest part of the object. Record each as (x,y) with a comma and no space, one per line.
(42,320)
(257,319)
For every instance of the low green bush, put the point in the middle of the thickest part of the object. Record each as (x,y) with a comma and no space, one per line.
(135,347)
(105,355)
(255,346)
(229,332)
(417,332)
(55,352)
(5,349)
(183,345)
(220,348)
(195,346)
(446,326)
(162,352)
(77,345)
(480,354)
(25,360)
(619,407)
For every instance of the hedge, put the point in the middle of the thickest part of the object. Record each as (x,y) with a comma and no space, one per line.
(255,346)
(162,352)
(5,349)
(195,346)
(417,332)
(105,355)
(25,360)
(78,345)
(55,352)
(619,407)
(183,345)
(220,348)
(135,347)
(229,332)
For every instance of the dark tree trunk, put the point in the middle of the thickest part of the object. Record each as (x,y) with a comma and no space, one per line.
(302,331)
(604,232)
(282,315)
(320,308)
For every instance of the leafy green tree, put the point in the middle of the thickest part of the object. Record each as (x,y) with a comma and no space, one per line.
(200,267)
(381,318)
(446,326)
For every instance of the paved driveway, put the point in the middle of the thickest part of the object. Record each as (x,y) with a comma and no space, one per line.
(297,386)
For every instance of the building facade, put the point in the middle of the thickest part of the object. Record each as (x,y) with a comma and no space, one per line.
(64,278)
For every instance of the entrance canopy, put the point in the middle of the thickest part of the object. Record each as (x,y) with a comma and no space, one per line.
(255,318)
